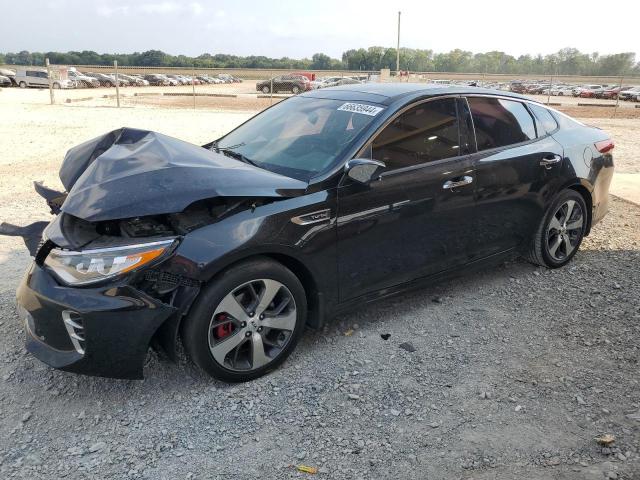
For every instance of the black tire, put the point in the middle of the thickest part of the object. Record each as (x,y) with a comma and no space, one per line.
(56,86)
(265,89)
(199,324)
(22,84)
(540,251)
(295,89)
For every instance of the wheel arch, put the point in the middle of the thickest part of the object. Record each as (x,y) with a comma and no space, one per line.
(310,281)
(588,200)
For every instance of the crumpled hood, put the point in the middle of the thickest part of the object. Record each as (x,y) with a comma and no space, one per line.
(130,173)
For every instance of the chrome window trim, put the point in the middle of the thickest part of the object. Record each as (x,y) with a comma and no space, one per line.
(473,125)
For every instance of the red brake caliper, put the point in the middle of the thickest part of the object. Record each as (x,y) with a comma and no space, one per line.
(224,330)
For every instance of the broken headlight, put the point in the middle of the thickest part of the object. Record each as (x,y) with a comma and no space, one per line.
(91,266)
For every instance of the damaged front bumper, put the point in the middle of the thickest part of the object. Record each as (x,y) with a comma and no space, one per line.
(103,331)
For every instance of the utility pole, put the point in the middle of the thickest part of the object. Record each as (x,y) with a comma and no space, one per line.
(398,48)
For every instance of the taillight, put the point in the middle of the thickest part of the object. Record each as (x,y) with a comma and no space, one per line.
(604,146)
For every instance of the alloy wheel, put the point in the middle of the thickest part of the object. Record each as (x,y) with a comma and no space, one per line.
(252,325)
(565,230)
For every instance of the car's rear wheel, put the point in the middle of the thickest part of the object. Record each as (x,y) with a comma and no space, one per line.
(22,84)
(56,85)
(265,89)
(560,232)
(246,321)
(295,89)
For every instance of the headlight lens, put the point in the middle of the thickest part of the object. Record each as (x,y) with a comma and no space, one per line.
(91,266)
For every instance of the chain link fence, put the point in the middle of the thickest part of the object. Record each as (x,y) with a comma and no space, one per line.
(252,89)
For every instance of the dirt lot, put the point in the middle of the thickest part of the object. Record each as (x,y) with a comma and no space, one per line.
(516,369)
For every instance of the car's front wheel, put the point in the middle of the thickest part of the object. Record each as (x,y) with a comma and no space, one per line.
(246,321)
(560,232)
(265,89)
(295,90)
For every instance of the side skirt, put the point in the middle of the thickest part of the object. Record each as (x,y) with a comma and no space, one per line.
(422,282)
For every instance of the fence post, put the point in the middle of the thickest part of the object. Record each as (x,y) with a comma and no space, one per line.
(46,62)
(271,89)
(115,66)
(193,87)
(549,91)
(615,110)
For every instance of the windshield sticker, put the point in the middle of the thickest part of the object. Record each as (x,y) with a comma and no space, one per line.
(360,108)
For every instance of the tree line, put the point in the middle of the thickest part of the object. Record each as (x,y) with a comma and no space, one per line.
(568,61)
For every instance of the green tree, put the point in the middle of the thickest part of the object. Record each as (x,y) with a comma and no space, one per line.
(320,61)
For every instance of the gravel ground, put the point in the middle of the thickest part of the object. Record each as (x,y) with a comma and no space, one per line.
(515,371)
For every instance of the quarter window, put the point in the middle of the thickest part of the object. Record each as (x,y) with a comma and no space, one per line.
(500,122)
(545,119)
(425,133)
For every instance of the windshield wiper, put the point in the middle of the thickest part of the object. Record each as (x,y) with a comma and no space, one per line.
(233,154)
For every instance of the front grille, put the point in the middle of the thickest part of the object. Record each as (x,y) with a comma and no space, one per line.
(75,329)
(167,281)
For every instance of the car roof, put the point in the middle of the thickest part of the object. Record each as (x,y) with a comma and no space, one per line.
(388,93)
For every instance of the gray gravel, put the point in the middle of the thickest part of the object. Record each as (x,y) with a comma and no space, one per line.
(515,372)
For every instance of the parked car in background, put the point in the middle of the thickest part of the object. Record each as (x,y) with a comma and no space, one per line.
(133,81)
(139,79)
(31,77)
(629,93)
(565,91)
(192,80)
(178,78)
(323,82)
(5,81)
(156,79)
(229,77)
(344,81)
(611,92)
(206,79)
(10,74)
(104,80)
(285,83)
(121,81)
(81,80)
(517,87)
(587,91)
(536,89)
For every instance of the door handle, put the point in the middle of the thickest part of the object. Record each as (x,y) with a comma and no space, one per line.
(451,184)
(550,160)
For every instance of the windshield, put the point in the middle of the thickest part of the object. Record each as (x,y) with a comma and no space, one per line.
(299,137)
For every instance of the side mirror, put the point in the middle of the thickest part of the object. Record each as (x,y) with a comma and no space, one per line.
(364,170)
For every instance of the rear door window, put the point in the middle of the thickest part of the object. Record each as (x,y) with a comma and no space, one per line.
(500,122)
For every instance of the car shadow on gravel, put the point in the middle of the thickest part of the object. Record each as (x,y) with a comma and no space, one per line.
(453,294)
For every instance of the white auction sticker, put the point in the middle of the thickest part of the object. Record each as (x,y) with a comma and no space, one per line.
(361,108)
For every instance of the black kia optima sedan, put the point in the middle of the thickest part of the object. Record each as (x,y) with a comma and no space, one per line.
(323,202)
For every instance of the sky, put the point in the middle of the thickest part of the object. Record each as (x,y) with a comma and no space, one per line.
(297,29)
